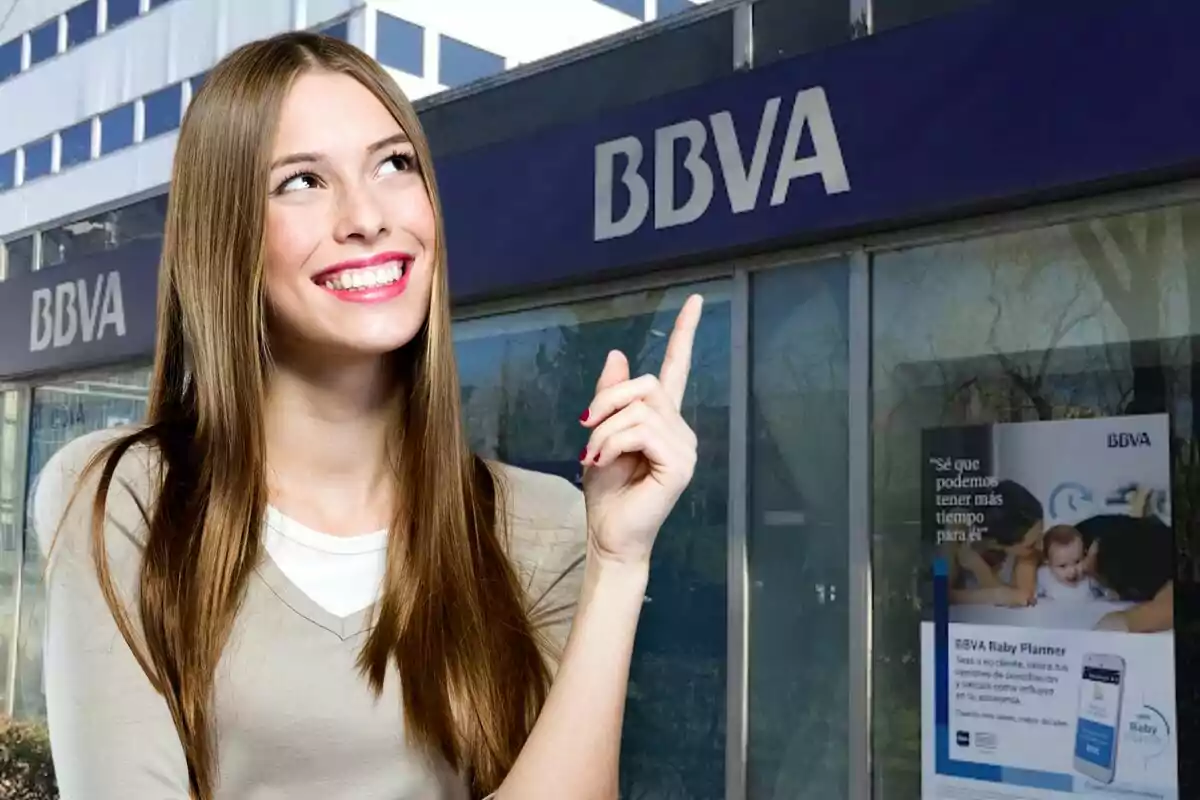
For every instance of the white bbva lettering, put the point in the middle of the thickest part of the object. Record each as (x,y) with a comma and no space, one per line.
(743,181)
(73,309)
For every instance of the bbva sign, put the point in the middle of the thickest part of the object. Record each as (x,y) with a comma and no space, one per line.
(743,176)
(79,310)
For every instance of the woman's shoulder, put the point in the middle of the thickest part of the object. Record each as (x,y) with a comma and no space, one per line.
(539,501)
(65,489)
(547,542)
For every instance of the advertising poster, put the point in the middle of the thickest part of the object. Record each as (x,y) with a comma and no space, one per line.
(1047,643)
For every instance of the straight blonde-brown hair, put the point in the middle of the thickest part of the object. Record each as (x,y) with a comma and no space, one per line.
(451,619)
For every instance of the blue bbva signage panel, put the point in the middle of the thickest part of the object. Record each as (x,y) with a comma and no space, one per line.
(1015,99)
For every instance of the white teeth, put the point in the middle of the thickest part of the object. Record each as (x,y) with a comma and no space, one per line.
(366,278)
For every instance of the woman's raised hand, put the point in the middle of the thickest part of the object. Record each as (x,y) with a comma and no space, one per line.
(641,453)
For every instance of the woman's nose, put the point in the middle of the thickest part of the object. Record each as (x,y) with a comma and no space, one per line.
(360,216)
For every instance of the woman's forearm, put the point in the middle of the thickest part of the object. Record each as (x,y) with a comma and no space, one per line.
(572,753)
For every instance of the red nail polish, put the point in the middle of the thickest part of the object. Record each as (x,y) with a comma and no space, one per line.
(583,454)
(584,416)
(596,460)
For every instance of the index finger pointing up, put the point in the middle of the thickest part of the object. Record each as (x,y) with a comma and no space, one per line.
(677,363)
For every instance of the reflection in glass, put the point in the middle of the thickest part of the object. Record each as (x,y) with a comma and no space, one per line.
(16,257)
(61,413)
(39,159)
(163,111)
(43,42)
(10,58)
(11,473)
(112,229)
(1091,319)
(525,379)
(121,11)
(76,144)
(399,44)
(798,539)
(116,129)
(459,62)
(81,23)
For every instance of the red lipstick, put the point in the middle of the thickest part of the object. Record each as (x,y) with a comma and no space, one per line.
(372,279)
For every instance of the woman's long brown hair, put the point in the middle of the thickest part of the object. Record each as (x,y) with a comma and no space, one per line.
(451,618)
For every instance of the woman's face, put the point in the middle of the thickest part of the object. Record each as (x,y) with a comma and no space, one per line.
(349,229)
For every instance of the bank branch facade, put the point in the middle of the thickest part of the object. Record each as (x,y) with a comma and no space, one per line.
(952,272)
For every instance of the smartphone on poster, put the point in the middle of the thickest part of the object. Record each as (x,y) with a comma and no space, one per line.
(1100,694)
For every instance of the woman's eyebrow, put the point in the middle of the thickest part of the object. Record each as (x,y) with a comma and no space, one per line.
(309,158)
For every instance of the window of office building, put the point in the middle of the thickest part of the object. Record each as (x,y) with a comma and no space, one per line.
(668,7)
(120,12)
(62,412)
(10,58)
(116,129)
(106,231)
(43,42)
(81,22)
(785,29)
(895,13)
(164,110)
(459,62)
(338,30)
(798,532)
(525,379)
(39,159)
(634,8)
(76,144)
(12,472)
(1058,365)
(16,257)
(399,44)
(8,170)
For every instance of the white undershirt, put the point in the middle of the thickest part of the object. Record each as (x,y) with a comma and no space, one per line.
(342,574)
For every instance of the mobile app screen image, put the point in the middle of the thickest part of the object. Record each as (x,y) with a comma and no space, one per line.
(1099,709)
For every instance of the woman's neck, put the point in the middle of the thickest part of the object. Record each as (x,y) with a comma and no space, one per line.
(327,437)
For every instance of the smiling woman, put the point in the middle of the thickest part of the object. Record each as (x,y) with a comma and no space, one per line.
(295,579)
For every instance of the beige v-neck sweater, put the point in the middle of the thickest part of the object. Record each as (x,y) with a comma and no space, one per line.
(294,720)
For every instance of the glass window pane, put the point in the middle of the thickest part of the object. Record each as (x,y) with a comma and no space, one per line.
(163,109)
(787,28)
(459,62)
(634,8)
(61,413)
(798,538)
(338,30)
(525,377)
(999,348)
(12,471)
(16,257)
(107,231)
(39,159)
(116,129)
(8,170)
(895,13)
(76,144)
(10,58)
(43,42)
(81,22)
(120,12)
(399,44)
(668,7)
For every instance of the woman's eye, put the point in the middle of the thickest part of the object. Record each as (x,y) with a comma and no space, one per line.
(397,162)
(302,181)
